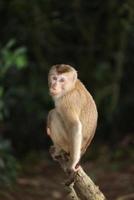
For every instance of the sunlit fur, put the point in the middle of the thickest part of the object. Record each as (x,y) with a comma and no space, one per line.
(72,123)
(62,70)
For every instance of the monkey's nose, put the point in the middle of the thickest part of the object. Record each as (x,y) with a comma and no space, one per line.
(54,86)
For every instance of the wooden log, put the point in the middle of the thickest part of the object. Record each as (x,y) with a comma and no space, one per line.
(82,187)
(85,188)
(71,194)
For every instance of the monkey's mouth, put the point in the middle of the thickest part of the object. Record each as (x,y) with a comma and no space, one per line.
(54,92)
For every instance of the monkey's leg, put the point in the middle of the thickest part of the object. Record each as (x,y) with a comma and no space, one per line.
(57,133)
(60,150)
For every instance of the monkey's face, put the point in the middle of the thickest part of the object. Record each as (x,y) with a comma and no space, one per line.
(57,84)
(60,84)
(61,79)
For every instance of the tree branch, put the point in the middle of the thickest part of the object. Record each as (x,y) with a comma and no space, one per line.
(83,187)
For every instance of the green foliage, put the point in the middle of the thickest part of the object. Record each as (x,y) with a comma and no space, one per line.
(9,58)
(22,94)
(9,167)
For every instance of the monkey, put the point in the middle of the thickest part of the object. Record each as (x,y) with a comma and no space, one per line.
(71,124)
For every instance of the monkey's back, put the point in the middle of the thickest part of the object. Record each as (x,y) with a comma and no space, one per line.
(88,115)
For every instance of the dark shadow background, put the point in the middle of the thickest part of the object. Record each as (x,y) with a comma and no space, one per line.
(97,38)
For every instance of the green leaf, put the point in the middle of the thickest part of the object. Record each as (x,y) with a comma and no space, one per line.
(10,44)
(21,61)
(20,51)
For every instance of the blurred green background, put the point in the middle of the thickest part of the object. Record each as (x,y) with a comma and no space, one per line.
(97,38)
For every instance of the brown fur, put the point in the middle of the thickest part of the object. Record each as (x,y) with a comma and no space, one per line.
(79,103)
(75,105)
(62,69)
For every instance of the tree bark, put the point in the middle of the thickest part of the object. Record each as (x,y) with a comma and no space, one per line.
(82,187)
(85,187)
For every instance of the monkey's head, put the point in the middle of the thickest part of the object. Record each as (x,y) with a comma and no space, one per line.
(61,79)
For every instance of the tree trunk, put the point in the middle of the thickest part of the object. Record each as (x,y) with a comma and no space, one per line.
(82,187)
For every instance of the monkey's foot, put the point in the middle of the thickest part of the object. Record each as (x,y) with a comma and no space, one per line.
(56,155)
(72,174)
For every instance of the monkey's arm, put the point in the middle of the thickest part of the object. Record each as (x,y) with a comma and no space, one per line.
(70,117)
(75,136)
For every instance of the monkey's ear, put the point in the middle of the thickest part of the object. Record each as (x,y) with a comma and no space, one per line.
(75,76)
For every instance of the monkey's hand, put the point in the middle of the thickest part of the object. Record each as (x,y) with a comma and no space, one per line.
(72,167)
(72,172)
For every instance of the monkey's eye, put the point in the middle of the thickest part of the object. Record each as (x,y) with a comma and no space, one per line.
(62,80)
(54,78)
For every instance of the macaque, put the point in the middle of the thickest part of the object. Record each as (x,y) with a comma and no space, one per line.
(72,123)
